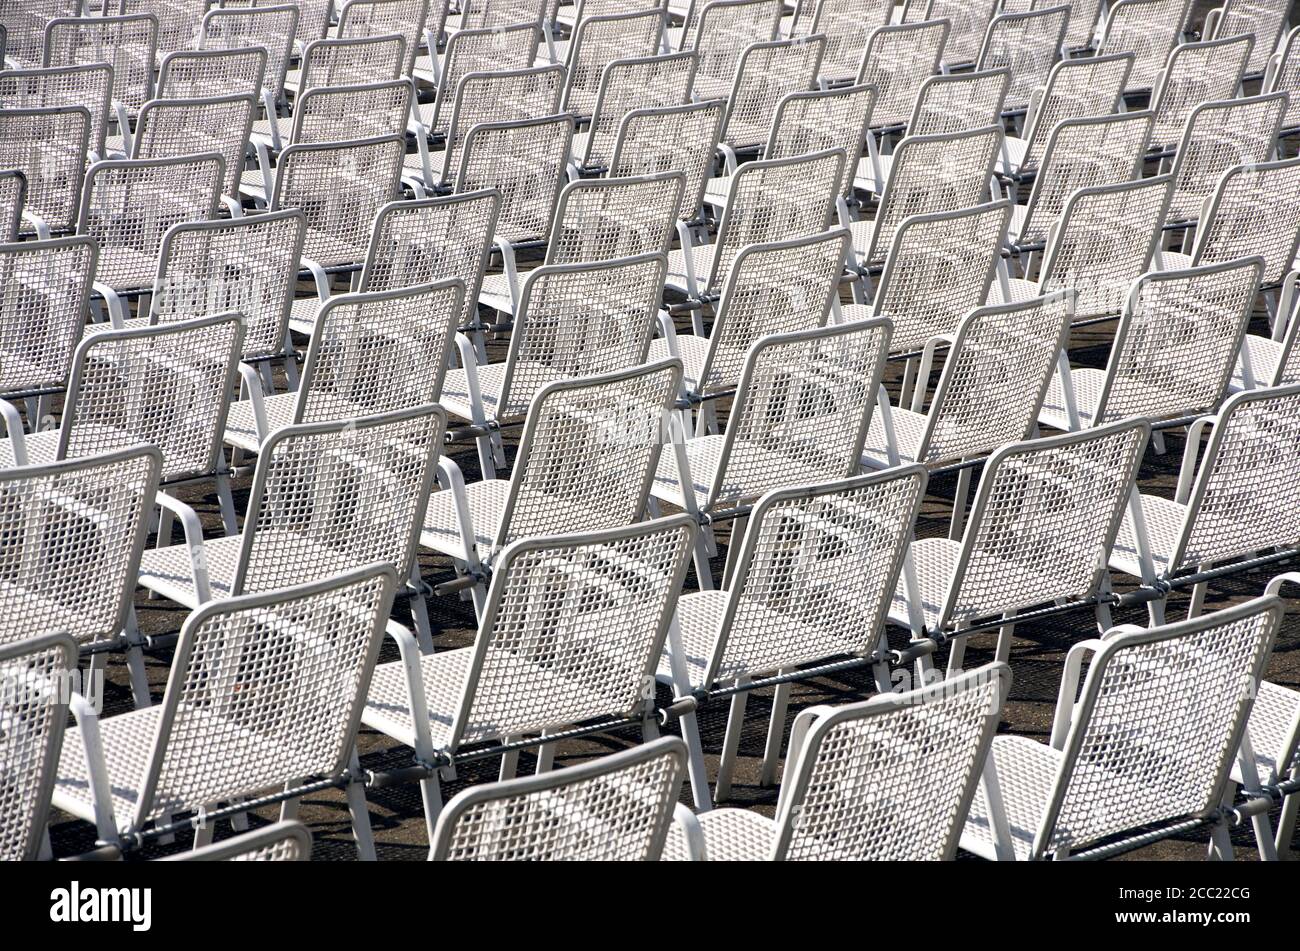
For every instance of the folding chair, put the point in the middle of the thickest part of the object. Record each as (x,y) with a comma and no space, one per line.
(1149,29)
(1266,20)
(272,27)
(847,26)
(35,681)
(1240,500)
(720,35)
(48,146)
(127,43)
(510,47)
(1151,737)
(1174,351)
(601,40)
(197,74)
(13,198)
(285,841)
(765,73)
(176,127)
(127,205)
(608,596)
(1102,242)
(815,569)
(1029,45)
(90,85)
(897,60)
(852,792)
(968,22)
(585,462)
(254,702)
(614,808)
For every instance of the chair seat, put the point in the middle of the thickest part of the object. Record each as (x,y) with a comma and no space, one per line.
(701,264)
(1264,354)
(487,502)
(1026,774)
(43,447)
(241,430)
(704,455)
(262,129)
(126,269)
(909,430)
(1087,383)
(693,351)
(302,315)
(860,233)
(864,175)
(1015,149)
(127,740)
(716,191)
(935,561)
(1272,721)
(455,390)
(328,250)
(495,291)
(253,184)
(1017,290)
(698,617)
(730,835)
(1164,522)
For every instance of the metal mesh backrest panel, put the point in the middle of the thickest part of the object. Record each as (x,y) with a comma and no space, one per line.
(1082,155)
(1180,344)
(1147,28)
(1264,19)
(67,545)
(1196,73)
(382,17)
(648,84)
(969,21)
(42,311)
(126,44)
(422,245)
(872,792)
(249,269)
(580,323)
(603,219)
(590,450)
(575,630)
(30,704)
(1028,46)
(1159,737)
(1046,515)
(955,103)
(272,29)
(486,14)
(336,499)
(829,120)
(805,402)
(774,290)
(1084,15)
(90,86)
(1256,213)
(822,570)
(498,97)
(178,20)
(380,354)
(49,148)
(474,51)
(196,75)
(1077,89)
(24,22)
(775,202)
(165,389)
(525,164)
(994,378)
(896,63)
(1103,245)
(684,141)
(846,25)
(13,193)
(720,35)
(937,272)
(1249,494)
(767,73)
(313,20)
(617,816)
(598,43)
(360,60)
(323,115)
(265,695)
(129,207)
(171,129)
(1287,79)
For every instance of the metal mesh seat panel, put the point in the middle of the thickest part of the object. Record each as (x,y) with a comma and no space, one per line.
(730,835)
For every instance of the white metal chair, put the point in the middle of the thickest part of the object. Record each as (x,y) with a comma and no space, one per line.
(854,790)
(1283,75)
(197,74)
(1028,44)
(89,85)
(968,22)
(612,808)
(1195,73)
(383,17)
(509,47)
(270,26)
(350,61)
(49,146)
(265,690)
(284,841)
(898,58)
(847,26)
(765,73)
(720,34)
(668,139)
(167,128)
(25,28)
(127,43)
(1148,29)
(1151,738)
(601,40)
(1266,20)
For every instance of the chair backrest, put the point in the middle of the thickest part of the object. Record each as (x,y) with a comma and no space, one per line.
(74,531)
(933,173)
(263,689)
(35,684)
(939,268)
(284,841)
(573,628)
(328,113)
(352,60)
(49,146)
(13,198)
(648,82)
(1044,519)
(127,43)
(1253,210)
(1104,241)
(588,452)
(25,26)
(1076,89)
(330,495)
(597,219)
(765,73)
(1082,153)
(671,138)
(1029,45)
(89,85)
(43,310)
(957,102)
(721,33)
(612,808)
(1085,17)
(863,787)
(167,386)
(846,24)
(313,21)
(772,288)
(600,40)
(1193,74)
(817,571)
(197,74)
(493,14)
(898,59)
(968,22)
(525,161)
(430,240)
(178,20)
(801,409)
(383,17)
(1157,725)
(272,27)
(1265,20)
(1284,76)
(476,51)
(1247,492)
(495,97)
(1148,29)
(174,127)
(245,265)
(826,119)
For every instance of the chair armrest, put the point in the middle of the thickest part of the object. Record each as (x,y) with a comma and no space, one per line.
(193,542)
(96,766)
(469,363)
(319,276)
(253,386)
(409,649)
(14,430)
(685,820)
(1069,689)
(453,480)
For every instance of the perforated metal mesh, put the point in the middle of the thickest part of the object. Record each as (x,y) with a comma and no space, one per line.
(647,83)
(525,162)
(178,20)
(1040,528)
(499,97)
(1196,73)
(600,219)
(494,13)
(957,102)
(194,126)
(352,61)
(968,19)
(266,694)
(1084,14)
(1286,78)
(1027,44)
(681,139)
(313,20)
(1254,212)
(846,24)
(288,849)
(195,74)
(328,498)
(127,43)
(1217,137)
(811,122)
(382,17)
(272,27)
(326,114)
(719,32)
(1266,20)
(1076,89)
(13,195)
(472,51)
(42,310)
(1147,28)
(897,60)
(599,41)
(765,73)
(90,86)
(24,22)
(48,146)
(1155,703)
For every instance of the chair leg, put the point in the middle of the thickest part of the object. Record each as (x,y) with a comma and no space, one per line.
(229,523)
(289,808)
(959,504)
(431,795)
(360,813)
(1156,611)
(699,776)
(1220,847)
(1197,602)
(486,457)
(135,663)
(420,612)
(730,745)
(775,733)
(509,761)
(1286,823)
(545,756)
(203,834)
